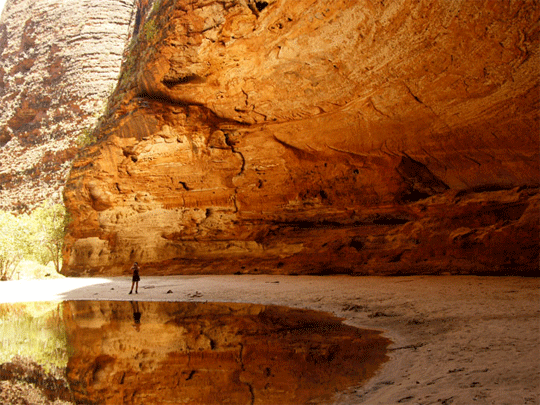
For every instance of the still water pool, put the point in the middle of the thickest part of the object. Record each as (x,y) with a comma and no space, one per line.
(113,352)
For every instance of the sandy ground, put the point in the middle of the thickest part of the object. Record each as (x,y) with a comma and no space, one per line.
(457,340)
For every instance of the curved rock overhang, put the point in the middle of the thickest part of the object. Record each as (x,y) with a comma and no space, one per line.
(352,137)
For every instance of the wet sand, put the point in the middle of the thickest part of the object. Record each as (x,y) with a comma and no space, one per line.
(456,339)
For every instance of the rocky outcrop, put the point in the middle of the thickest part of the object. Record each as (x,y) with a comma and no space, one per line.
(204,353)
(306,137)
(59,62)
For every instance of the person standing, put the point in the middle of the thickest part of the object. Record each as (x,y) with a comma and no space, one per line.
(136,278)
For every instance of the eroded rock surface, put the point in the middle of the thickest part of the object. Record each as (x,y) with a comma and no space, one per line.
(59,62)
(314,137)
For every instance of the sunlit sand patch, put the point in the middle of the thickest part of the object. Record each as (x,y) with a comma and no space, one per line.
(44,290)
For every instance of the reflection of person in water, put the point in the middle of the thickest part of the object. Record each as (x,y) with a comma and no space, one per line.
(136,278)
(136,315)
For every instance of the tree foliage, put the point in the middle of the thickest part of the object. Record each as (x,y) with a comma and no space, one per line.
(36,236)
(48,228)
(14,242)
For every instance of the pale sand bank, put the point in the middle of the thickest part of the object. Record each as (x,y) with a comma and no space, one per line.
(457,340)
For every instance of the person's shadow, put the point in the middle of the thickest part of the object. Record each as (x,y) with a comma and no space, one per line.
(136,315)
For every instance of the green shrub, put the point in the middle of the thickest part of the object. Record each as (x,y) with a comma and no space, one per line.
(48,228)
(150,30)
(15,242)
(86,138)
(38,236)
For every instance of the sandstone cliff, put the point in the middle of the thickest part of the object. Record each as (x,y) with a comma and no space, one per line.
(317,137)
(59,62)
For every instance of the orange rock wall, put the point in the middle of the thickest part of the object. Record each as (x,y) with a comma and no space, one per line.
(318,137)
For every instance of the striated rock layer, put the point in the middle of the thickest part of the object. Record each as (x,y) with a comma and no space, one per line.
(59,62)
(356,137)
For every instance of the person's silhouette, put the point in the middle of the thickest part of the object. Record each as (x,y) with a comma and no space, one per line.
(136,278)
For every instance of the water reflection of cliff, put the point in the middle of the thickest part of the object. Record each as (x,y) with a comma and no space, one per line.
(194,353)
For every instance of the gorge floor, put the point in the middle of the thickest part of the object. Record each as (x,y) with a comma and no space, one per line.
(456,339)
